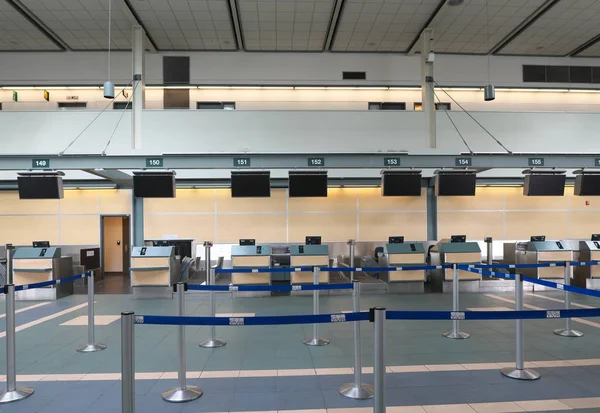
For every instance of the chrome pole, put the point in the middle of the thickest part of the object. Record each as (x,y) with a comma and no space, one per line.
(91,345)
(212,342)
(379,361)
(315,340)
(352,244)
(455,333)
(127,363)
(568,331)
(357,390)
(12,393)
(519,372)
(182,393)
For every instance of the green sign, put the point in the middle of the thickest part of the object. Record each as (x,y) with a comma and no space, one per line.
(391,161)
(154,162)
(316,161)
(243,162)
(40,163)
(15,96)
(535,162)
(463,161)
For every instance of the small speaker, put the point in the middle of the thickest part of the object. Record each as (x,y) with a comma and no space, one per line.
(587,185)
(544,185)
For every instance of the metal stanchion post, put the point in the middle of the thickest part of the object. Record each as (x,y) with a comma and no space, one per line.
(12,393)
(212,342)
(183,392)
(91,346)
(568,331)
(357,390)
(127,363)
(352,244)
(519,372)
(455,333)
(378,318)
(315,340)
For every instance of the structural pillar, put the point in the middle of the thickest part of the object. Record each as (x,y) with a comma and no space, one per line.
(137,220)
(138,97)
(432,212)
(427,85)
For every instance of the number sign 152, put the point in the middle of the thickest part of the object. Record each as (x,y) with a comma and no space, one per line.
(316,161)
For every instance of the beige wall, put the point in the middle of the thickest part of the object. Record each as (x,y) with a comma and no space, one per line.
(73,220)
(359,213)
(504,213)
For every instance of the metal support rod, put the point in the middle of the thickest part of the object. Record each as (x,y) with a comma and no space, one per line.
(10,249)
(428,97)
(490,250)
(352,244)
(182,393)
(12,393)
(519,372)
(127,363)
(213,341)
(91,345)
(568,331)
(455,333)
(379,359)
(357,390)
(315,340)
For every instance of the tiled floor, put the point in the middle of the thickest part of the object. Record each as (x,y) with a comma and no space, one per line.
(268,369)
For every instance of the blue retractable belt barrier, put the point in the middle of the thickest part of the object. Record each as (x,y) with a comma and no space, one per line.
(303,287)
(584,264)
(49,283)
(331,269)
(541,265)
(491,315)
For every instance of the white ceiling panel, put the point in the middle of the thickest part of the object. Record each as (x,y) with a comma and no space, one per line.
(463,29)
(83,24)
(187,24)
(285,25)
(562,29)
(592,51)
(381,25)
(18,33)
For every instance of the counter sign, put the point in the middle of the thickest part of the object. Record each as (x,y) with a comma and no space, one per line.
(241,162)
(536,162)
(40,163)
(391,161)
(316,161)
(154,162)
(462,161)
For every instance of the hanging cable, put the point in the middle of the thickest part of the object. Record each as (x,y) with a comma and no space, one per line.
(474,120)
(119,121)
(109,34)
(487,24)
(451,121)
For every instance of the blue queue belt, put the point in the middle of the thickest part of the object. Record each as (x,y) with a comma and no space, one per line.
(330,269)
(50,283)
(303,287)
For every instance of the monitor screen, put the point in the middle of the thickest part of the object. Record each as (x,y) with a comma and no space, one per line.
(396,240)
(538,238)
(250,184)
(595,237)
(455,184)
(307,184)
(154,186)
(247,242)
(313,240)
(400,184)
(40,187)
(458,238)
(587,185)
(544,185)
(41,244)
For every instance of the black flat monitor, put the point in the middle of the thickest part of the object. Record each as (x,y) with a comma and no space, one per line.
(537,238)
(455,184)
(395,183)
(247,242)
(458,238)
(41,244)
(544,185)
(396,240)
(154,185)
(250,184)
(595,237)
(40,187)
(313,240)
(307,184)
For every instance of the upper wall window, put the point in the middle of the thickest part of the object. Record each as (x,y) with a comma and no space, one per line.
(387,105)
(216,105)
(438,106)
(122,105)
(71,105)
(561,74)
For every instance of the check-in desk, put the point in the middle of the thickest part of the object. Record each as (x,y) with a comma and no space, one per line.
(460,253)
(409,254)
(588,276)
(250,256)
(35,265)
(540,252)
(309,256)
(154,270)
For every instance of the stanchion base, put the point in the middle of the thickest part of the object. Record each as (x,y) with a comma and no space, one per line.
(362,392)
(568,333)
(456,336)
(520,374)
(90,348)
(212,343)
(177,395)
(316,342)
(13,396)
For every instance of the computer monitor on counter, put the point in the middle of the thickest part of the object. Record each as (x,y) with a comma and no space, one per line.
(313,240)
(537,238)
(247,242)
(458,238)
(41,244)
(396,240)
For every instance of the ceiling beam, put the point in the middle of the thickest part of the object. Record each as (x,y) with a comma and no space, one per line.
(523,25)
(333,24)
(430,23)
(585,46)
(129,11)
(236,24)
(122,179)
(33,19)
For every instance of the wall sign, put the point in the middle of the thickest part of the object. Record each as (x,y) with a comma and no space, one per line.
(462,161)
(535,161)
(391,161)
(316,161)
(241,162)
(40,163)
(154,162)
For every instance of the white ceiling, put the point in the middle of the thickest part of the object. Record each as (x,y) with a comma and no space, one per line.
(516,27)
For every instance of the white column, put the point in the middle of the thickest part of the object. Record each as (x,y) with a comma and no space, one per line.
(428,97)
(138,98)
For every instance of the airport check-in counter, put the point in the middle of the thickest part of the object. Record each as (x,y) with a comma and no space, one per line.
(250,256)
(588,276)
(35,265)
(460,253)
(409,254)
(154,270)
(309,256)
(539,252)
